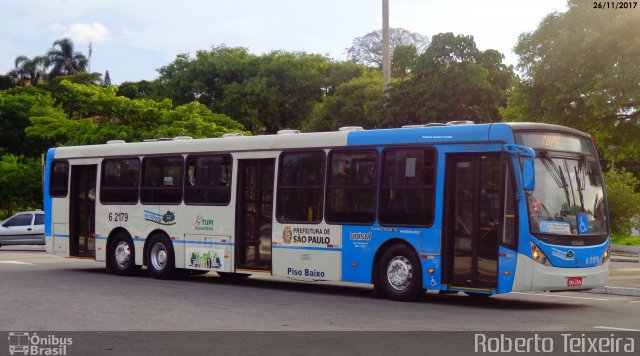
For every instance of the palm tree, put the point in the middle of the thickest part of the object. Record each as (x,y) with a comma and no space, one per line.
(64,60)
(29,70)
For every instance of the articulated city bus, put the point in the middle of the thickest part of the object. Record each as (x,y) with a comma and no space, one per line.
(478,208)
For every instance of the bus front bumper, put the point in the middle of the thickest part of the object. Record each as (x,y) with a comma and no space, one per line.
(533,276)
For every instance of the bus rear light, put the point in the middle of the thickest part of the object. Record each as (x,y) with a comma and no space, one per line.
(539,256)
(431,271)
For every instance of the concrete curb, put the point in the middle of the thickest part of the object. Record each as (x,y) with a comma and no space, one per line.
(634,292)
(625,248)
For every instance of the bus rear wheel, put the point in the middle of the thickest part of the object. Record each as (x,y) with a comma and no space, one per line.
(160,257)
(399,274)
(122,255)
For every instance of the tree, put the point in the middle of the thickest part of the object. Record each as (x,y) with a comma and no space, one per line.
(17,105)
(358,102)
(139,90)
(367,49)
(264,93)
(451,80)
(6,82)
(99,115)
(580,69)
(403,60)
(30,71)
(20,184)
(64,59)
(624,201)
(107,78)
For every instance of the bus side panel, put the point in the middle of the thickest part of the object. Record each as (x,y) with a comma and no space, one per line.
(206,237)
(361,243)
(507,260)
(56,215)
(307,251)
(48,203)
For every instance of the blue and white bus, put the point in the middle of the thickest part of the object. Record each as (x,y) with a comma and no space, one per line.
(478,208)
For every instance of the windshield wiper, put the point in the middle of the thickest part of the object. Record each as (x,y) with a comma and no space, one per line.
(556,172)
(580,177)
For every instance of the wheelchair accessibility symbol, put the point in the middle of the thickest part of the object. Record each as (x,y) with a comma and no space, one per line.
(583,224)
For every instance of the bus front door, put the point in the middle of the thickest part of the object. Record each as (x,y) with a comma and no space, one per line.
(472,214)
(82,214)
(254,214)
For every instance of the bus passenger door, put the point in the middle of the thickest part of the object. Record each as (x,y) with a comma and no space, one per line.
(82,214)
(472,215)
(254,214)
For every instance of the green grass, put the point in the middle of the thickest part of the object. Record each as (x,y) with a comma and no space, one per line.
(626,240)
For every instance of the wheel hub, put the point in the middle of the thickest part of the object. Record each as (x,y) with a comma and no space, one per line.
(123,254)
(399,273)
(159,256)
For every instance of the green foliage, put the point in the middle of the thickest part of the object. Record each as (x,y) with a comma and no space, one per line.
(95,114)
(624,201)
(367,49)
(264,93)
(17,105)
(358,102)
(20,184)
(626,240)
(452,80)
(581,70)
(139,90)
(6,82)
(403,60)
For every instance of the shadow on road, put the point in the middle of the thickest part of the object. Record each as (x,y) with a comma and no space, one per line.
(501,302)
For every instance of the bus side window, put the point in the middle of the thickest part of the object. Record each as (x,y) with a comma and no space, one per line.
(59,184)
(207,180)
(300,187)
(351,189)
(162,182)
(407,189)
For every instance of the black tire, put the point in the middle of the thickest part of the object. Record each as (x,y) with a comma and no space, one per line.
(233,276)
(122,255)
(400,274)
(161,262)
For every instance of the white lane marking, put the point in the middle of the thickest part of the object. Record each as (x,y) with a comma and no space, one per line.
(614,328)
(16,263)
(635,301)
(558,296)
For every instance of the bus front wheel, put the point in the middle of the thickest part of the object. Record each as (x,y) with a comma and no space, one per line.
(122,254)
(399,274)
(160,257)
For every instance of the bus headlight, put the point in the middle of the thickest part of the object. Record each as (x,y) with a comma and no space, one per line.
(606,254)
(539,256)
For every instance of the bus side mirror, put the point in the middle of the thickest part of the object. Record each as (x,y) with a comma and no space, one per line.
(528,175)
(526,179)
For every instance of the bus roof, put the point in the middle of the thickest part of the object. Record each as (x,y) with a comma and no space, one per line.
(291,139)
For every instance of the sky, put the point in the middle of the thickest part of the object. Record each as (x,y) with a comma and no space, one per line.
(133,38)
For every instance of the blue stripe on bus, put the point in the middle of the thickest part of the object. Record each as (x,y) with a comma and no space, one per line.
(175,241)
(427,135)
(307,248)
(48,219)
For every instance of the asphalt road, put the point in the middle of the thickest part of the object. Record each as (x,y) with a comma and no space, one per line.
(44,292)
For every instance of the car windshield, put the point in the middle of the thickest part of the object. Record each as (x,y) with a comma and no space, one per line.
(569,196)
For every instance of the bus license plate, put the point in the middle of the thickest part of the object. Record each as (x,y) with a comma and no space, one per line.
(574,281)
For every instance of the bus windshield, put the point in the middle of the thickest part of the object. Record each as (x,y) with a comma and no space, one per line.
(569,194)
(568,199)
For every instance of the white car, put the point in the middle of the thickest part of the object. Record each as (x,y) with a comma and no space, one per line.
(26,228)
